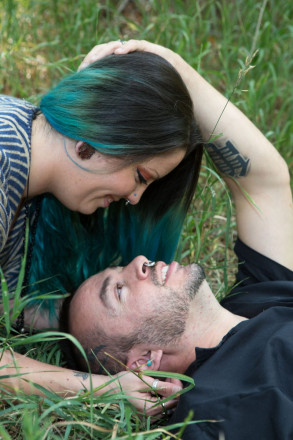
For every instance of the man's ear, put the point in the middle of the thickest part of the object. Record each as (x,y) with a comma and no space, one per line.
(84,150)
(139,358)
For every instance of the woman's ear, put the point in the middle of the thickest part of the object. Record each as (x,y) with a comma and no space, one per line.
(84,150)
(146,361)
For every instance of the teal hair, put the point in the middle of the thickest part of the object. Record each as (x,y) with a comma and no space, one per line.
(133,107)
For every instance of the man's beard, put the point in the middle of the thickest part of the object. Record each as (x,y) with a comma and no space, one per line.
(168,320)
(194,281)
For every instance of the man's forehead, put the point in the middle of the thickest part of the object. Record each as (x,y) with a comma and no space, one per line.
(100,276)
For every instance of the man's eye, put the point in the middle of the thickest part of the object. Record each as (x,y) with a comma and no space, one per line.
(119,290)
(141,177)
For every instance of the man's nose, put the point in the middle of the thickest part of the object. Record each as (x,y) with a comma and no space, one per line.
(137,267)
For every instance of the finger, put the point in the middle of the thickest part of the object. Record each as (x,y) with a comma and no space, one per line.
(160,410)
(133,45)
(166,389)
(100,51)
(175,381)
(162,388)
(143,46)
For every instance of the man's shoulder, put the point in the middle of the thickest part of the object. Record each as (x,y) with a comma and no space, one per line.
(261,283)
(244,379)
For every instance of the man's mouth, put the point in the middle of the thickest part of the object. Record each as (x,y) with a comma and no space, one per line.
(164,273)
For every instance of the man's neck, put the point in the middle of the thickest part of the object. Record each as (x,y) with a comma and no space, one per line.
(208,322)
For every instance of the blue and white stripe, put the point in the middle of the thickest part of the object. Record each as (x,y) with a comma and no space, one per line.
(15,141)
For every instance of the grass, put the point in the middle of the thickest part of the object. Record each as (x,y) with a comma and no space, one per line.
(43,40)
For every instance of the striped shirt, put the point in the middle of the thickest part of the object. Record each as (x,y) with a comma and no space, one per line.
(16,118)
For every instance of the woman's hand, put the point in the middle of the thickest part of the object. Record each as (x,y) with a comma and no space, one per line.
(67,383)
(142,395)
(122,47)
(100,51)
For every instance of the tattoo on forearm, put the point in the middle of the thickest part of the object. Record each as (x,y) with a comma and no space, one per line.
(84,376)
(229,160)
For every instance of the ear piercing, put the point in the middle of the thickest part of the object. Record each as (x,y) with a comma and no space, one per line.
(128,201)
(149,264)
(149,363)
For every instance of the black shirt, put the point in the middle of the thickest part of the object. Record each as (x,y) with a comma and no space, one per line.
(245,384)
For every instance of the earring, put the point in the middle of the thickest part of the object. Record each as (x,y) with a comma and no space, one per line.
(149,264)
(86,151)
(127,202)
(149,363)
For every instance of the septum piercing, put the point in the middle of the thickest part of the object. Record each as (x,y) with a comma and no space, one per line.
(149,264)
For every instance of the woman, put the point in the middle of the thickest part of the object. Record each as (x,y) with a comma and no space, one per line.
(120,130)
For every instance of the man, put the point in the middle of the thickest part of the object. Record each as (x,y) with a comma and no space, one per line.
(165,317)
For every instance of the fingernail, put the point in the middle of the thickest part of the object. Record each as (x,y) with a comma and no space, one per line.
(176,389)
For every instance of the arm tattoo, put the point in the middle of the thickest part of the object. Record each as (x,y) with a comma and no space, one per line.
(229,160)
(84,376)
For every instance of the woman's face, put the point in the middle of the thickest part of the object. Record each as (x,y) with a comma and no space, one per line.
(86,191)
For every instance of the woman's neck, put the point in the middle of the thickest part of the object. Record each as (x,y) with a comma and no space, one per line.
(43,157)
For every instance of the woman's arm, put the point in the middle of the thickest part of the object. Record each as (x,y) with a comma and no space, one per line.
(19,372)
(255,172)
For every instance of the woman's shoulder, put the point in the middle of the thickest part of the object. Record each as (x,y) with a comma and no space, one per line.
(17,113)
(9,102)
(16,117)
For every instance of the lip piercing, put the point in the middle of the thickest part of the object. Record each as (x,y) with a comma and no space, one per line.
(149,264)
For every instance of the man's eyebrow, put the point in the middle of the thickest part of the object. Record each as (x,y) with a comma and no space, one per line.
(103,291)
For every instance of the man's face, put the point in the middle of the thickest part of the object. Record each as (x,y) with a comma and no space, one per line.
(120,299)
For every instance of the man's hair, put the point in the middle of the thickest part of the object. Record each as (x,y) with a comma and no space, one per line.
(110,353)
(98,361)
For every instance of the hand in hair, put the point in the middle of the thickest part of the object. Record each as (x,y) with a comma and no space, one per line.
(98,52)
(116,47)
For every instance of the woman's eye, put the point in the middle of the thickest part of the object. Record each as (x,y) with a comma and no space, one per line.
(141,178)
(119,290)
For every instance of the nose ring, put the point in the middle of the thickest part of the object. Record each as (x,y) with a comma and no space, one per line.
(149,264)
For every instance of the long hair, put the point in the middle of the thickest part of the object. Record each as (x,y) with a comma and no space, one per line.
(134,107)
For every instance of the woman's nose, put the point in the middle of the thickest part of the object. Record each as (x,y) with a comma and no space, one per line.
(135,197)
